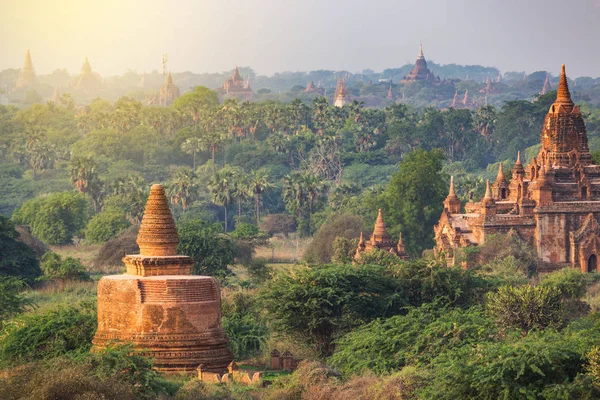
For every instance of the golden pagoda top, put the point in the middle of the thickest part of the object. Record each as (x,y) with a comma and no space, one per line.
(158,234)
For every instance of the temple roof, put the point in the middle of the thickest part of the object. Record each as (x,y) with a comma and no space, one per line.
(380,229)
(236,75)
(563,96)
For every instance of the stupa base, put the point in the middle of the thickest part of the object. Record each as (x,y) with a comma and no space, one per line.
(176,320)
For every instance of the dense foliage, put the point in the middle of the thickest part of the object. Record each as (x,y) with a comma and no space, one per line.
(67,330)
(16,258)
(56,218)
(212,251)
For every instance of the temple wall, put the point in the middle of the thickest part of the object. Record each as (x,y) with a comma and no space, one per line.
(551,238)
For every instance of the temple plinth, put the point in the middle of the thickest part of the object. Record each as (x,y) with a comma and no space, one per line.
(172,316)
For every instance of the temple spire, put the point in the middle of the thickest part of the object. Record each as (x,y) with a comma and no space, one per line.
(452,202)
(563,96)
(518,158)
(28,64)
(488,191)
(421,56)
(451,192)
(379,228)
(500,176)
(546,88)
(169,79)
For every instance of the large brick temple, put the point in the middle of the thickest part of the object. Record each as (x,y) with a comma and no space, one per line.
(553,203)
(170,315)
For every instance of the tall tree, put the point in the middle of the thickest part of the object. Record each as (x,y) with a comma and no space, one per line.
(182,189)
(258,182)
(221,188)
(192,146)
(414,198)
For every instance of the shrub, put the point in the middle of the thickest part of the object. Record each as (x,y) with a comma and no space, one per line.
(67,330)
(570,282)
(113,373)
(245,328)
(343,250)
(258,270)
(541,365)
(56,218)
(321,304)
(526,307)
(54,267)
(320,249)
(16,258)
(12,301)
(105,225)
(387,345)
(279,223)
(509,269)
(212,251)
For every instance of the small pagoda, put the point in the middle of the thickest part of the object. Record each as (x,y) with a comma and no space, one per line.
(170,315)
(342,95)
(27,75)
(87,80)
(420,72)
(380,239)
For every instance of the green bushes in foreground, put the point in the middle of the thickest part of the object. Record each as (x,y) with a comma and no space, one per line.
(65,331)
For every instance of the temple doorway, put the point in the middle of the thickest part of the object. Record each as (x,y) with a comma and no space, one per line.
(592,264)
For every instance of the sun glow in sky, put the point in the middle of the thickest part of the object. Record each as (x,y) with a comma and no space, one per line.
(279,35)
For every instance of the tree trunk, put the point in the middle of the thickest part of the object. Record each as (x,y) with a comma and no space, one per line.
(239,208)
(225,207)
(257,209)
(194,161)
(213,159)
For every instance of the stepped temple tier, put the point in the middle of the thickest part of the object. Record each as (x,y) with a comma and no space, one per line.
(553,203)
(170,315)
(420,72)
(380,239)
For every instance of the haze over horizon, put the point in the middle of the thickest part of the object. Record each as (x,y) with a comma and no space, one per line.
(269,36)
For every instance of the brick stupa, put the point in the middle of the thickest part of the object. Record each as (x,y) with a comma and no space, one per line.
(172,316)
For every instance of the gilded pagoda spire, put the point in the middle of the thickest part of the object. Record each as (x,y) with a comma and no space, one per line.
(158,234)
(420,56)
(27,75)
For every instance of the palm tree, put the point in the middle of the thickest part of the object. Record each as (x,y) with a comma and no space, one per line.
(221,186)
(183,187)
(293,192)
(258,181)
(241,190)
(192,146)
(314,185)
(211,141)
(85,179)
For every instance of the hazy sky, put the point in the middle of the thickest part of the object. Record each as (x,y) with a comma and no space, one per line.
(293,35)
